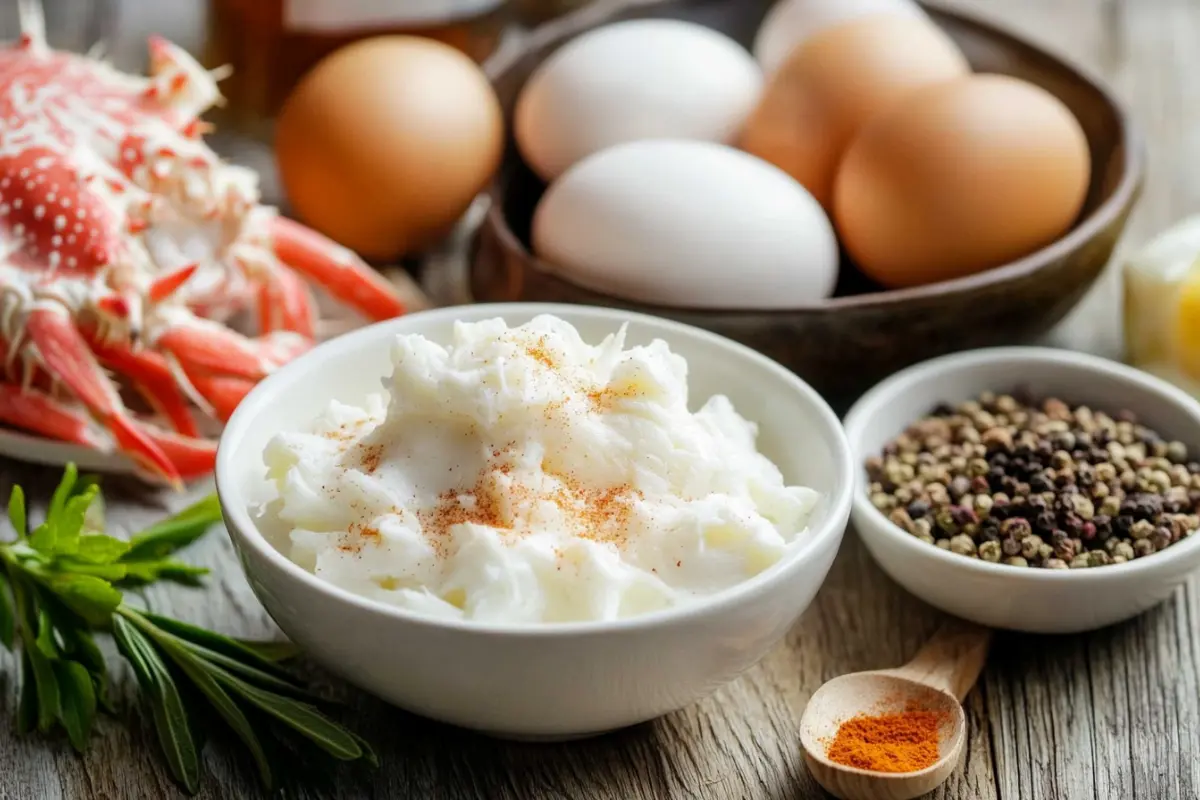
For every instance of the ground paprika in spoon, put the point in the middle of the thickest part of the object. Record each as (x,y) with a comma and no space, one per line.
(901,742)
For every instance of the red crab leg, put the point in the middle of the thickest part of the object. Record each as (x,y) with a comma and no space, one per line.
(335,269)
(67,357)
(153,378)
(285,304)
(204,345)
(40,413)
(193,457)
(222,392)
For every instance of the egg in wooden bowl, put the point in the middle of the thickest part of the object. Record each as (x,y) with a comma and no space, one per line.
(846,339)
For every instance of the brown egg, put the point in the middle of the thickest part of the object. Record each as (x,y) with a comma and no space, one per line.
(831,85)
(385,143)
(959,178)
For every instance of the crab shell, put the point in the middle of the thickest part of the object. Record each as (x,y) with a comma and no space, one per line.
(125,243)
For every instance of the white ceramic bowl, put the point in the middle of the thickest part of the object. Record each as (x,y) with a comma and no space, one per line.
(1022,599)
(541,681)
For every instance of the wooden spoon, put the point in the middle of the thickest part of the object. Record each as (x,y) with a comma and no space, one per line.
(937,679)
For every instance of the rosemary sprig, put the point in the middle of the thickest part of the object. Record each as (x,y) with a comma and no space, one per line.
(60,584)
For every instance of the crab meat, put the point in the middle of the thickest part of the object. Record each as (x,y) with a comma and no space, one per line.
(126,245)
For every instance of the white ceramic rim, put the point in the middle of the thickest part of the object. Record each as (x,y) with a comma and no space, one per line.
(882,393)
(239,523)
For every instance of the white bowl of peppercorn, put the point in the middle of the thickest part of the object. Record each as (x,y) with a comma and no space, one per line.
(1030,489)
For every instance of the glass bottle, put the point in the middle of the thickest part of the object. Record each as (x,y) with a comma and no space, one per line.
(270,44)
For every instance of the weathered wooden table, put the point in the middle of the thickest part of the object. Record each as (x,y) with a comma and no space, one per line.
(1112,714)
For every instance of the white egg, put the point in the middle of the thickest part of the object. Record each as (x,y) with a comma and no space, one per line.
(790,23)
(687,224)
(641,79)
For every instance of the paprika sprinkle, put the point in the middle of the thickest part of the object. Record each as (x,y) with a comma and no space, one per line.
(902,742)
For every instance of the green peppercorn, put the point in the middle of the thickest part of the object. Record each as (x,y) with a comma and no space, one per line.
(1031,546)
(962,544)
(1082,506)
(1141,529)
(1111,506)
(990,551)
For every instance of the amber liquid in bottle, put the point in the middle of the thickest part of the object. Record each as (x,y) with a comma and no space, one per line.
(270,44)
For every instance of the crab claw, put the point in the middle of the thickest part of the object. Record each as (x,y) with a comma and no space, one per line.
(202,345)
(285,303)
(335,269)
(222,392)
(36,411)
(192,457)
(67,358)
(152,376)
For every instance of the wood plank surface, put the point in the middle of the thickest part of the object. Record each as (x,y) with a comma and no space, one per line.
(1112,714)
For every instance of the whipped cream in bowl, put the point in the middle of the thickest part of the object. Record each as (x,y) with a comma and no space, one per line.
(534,520)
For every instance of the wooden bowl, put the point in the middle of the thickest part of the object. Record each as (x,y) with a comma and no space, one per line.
(849,342)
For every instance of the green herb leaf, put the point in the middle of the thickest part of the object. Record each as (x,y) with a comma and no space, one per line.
(108,572)
(83,649)
(140,572)
(90,597)
(78,702)
(96,548)
(63,493)
(45,635)
(78,644)
(7,616)
(170,717)
(302,717)
(160,540)
(199,673)
(27,705)
(85,482)
(16,511)
(233,648)
(258,677)
(368,753)
(270,651)
(70,521)
(44,537)
(47,687)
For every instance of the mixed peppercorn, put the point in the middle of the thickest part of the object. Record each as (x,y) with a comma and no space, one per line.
(1010,480)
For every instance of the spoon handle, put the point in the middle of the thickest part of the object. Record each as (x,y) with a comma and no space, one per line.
(951,660)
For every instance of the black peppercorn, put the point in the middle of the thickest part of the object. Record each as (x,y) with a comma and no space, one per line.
(1039,483)
(918,508)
